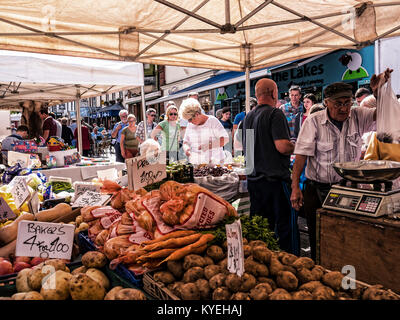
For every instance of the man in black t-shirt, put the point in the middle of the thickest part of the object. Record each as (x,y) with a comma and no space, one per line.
(268,152)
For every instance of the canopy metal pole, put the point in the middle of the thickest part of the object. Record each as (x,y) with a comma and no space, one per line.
(247,80)
(78,120)
(144,112)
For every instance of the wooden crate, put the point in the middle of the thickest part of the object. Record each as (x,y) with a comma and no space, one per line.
(156,289)
(371,245)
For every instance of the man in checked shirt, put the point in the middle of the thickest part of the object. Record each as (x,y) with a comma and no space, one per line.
(326,137)
(292,108)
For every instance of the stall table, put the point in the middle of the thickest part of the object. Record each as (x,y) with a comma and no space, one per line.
(82,173)
(371,245)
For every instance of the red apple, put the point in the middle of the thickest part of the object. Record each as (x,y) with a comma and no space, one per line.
(18,266)
(5,267)
(36,260)
(22,259)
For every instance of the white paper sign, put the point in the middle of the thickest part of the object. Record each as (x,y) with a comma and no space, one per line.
(108,174)
(45,240)
(20,192)
(82,187)
(14,157)
(143,171)
(90,198)
(34,203)
(235,248)
(5,211)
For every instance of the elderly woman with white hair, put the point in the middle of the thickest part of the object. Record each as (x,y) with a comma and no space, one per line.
(170,130)
(204,137)
(116,134)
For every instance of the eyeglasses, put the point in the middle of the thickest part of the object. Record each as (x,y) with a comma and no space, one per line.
(152,115)
(173,114)
(338,104)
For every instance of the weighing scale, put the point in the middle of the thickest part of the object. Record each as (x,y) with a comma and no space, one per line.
(371,190)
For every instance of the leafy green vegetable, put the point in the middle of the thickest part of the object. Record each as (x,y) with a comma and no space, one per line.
(253,228)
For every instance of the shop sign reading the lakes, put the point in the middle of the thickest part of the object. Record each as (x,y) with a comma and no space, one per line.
(301,72)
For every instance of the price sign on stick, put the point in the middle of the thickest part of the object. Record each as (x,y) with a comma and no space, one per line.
(235,248)
(143,170)
(45,240)
(5,211)
(91,198)
(20,192)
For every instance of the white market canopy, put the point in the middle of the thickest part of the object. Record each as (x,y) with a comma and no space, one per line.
(216,34)
(43,77)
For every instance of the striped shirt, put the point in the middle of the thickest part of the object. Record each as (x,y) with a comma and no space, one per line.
(324,144)
(290,113)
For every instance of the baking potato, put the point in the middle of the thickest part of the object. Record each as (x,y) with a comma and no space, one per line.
(246,250)
(165,277)
(310,286)
(240,296)
(287,258)
(248,282)
(250,266)
(36,277)
(287,280)
(21,282)
(304,275)
(255,243)
(267,280)
(211,270)
(323,293)
(280,294)
(224,265)
(233,282)
(302,295)
(217,281)
(303,262)
(31,295)
(176,268)
(208,260)
(193,274)
(99,276)
(83,287)
(216,253)
(204,288)
(189,291)
(275,266)
(58,264)
(130,294)
(317,272)
(81,269)
(111,294)
(193,260)
(221,293)
(261,254)
(333,279)
(176,287)
(56,287)
(94,259)
(261,291)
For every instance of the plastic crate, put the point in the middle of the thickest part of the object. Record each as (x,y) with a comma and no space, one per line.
(8,285)
(157,290)
(85,245)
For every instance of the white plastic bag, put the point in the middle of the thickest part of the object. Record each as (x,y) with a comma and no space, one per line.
(388,115)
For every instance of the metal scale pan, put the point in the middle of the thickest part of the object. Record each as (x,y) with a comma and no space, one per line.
(364,171)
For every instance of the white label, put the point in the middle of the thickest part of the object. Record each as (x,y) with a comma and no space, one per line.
(34,203)
(143,171)
(90,198)
(235,248)
(109,174)
(14,157)
(5,211)
(82,187)
(45,240)
(20,192)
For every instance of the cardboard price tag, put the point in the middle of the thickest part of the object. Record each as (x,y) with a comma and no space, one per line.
(34,203)
(90,198)
(5,211)
(235,248)
(18,157)
(82,187)
(20,192)
(143,171)
(45,240)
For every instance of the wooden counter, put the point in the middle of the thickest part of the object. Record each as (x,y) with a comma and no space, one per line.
(371,245)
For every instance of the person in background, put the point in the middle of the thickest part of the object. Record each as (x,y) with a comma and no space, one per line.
(151,115)
(170,130)
(59,126)
(116,134)
(101,127)
(218,114)
(269,180)
(49,126)
(129,141)
(21,133)
(308,101)
(240,116)
(85,139)
(292,108)
(361,94)
(228,125)
(13,129)
(183,123)
(66,133)
(205,136)
(237,135)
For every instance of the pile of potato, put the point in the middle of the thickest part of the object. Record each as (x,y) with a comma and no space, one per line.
(269,275)
(52,280)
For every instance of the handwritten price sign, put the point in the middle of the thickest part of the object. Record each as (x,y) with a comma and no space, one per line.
(45,240)
(143,171)
(5,211)
(20,192)
(235,248)
(91,198)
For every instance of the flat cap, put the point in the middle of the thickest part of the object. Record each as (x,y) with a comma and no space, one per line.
(338,90)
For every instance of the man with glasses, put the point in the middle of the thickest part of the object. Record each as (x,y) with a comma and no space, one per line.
(116,134)
(151,115)
(330,136)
